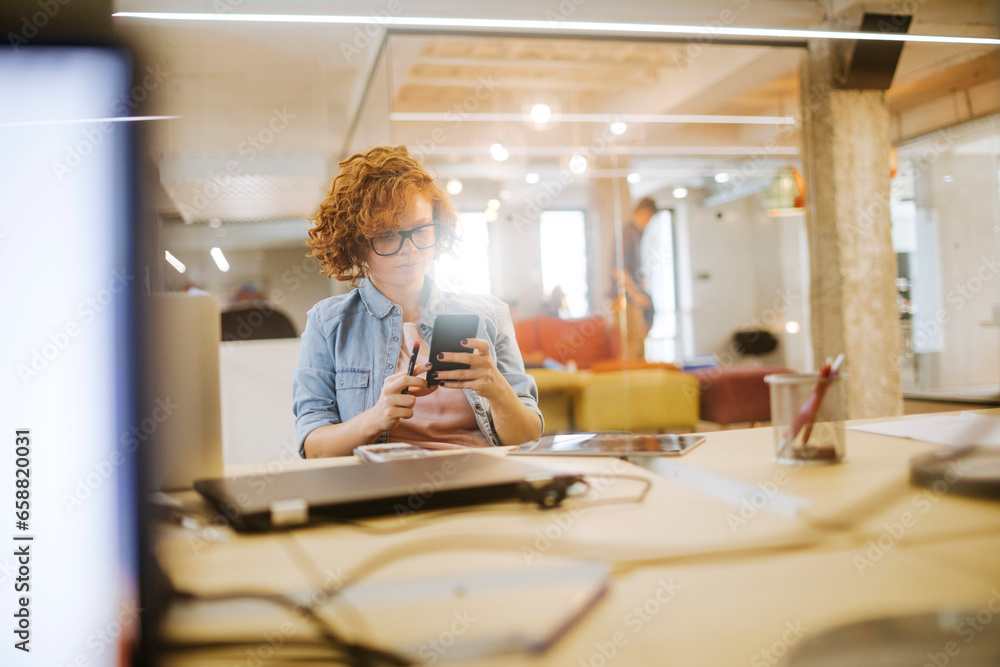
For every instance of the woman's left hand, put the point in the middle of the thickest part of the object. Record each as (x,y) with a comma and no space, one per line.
(482,374)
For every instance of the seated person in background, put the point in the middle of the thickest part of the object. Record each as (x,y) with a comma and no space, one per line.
(381,226)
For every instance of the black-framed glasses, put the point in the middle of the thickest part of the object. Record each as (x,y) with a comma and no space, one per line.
(422,237)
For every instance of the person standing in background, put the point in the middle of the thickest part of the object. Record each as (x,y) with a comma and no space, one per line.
(630,295)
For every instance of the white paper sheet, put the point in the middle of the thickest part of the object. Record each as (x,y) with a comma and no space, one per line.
(956,431)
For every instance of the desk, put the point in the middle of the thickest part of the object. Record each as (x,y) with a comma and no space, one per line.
(755,556)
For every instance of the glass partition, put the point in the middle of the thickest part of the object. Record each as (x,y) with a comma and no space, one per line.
(946,233)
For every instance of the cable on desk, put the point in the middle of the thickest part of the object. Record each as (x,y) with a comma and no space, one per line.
(320,652)
(419,519)
(355,654)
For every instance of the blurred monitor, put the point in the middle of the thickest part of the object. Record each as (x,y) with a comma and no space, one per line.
(69,387)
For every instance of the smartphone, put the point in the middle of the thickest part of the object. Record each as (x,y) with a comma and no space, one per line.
(449,330)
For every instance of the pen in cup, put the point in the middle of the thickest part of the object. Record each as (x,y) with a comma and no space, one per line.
(413,363)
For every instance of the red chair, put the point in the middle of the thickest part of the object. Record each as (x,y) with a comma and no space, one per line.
(735,394)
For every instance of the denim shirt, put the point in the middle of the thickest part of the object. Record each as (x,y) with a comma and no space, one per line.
(351,344)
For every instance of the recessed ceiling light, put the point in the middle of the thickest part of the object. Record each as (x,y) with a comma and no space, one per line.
(634,178)
(220,259)
(603,118)
(618,127)
(454,186)
(174,262)
(493,204)
(490,214)
(532,178)
(680,193)
(546,26)
(792,327)
(578,164)
(541,113)
(722,177)
(499,153)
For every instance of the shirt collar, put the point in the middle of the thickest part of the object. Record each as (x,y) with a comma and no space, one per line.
(376,302)
(380,306)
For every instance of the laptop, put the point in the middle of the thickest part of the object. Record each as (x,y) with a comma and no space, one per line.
(396,488)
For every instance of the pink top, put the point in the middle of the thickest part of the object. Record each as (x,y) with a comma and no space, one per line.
(444,416)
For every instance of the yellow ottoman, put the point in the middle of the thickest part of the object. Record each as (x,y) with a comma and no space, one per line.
(555,396)
(645,400)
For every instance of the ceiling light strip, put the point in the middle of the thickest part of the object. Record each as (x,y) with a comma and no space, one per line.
(78,121)
(540,151)
(436,117)
(557,27)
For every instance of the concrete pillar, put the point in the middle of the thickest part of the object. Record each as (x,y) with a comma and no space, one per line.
(845,137)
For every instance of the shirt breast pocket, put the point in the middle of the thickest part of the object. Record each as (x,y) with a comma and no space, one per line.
(352,390)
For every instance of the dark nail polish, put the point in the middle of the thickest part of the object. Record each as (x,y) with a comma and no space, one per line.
(440,355)
(465,341)
(434,374)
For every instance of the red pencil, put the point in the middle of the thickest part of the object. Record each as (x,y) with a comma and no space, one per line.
(827,373)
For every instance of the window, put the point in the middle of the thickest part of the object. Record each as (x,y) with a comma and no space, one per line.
(468,269)
(564,258)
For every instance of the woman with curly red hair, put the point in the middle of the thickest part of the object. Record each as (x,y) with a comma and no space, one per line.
(380,228)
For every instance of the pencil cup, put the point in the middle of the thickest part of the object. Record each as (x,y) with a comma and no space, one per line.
(804,433)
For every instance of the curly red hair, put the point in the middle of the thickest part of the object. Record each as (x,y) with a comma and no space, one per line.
(368,198)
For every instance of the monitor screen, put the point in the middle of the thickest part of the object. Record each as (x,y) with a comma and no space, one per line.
(68,564)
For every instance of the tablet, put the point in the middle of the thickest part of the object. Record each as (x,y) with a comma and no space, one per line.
(612,443)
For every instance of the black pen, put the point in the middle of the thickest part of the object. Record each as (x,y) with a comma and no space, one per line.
(413,363)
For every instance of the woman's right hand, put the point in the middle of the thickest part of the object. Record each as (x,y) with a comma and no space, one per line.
(393,404)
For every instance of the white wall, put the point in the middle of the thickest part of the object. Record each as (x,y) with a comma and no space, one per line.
(747,270)
(966,208)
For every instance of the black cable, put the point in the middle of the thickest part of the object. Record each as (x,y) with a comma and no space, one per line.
(419,519)
(356,654)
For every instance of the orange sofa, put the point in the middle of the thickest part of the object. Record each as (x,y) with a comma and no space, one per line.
(583,341)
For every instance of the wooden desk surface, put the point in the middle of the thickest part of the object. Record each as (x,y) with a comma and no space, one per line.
(754,555)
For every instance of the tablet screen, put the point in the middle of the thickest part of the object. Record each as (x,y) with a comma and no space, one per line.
(612,444)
